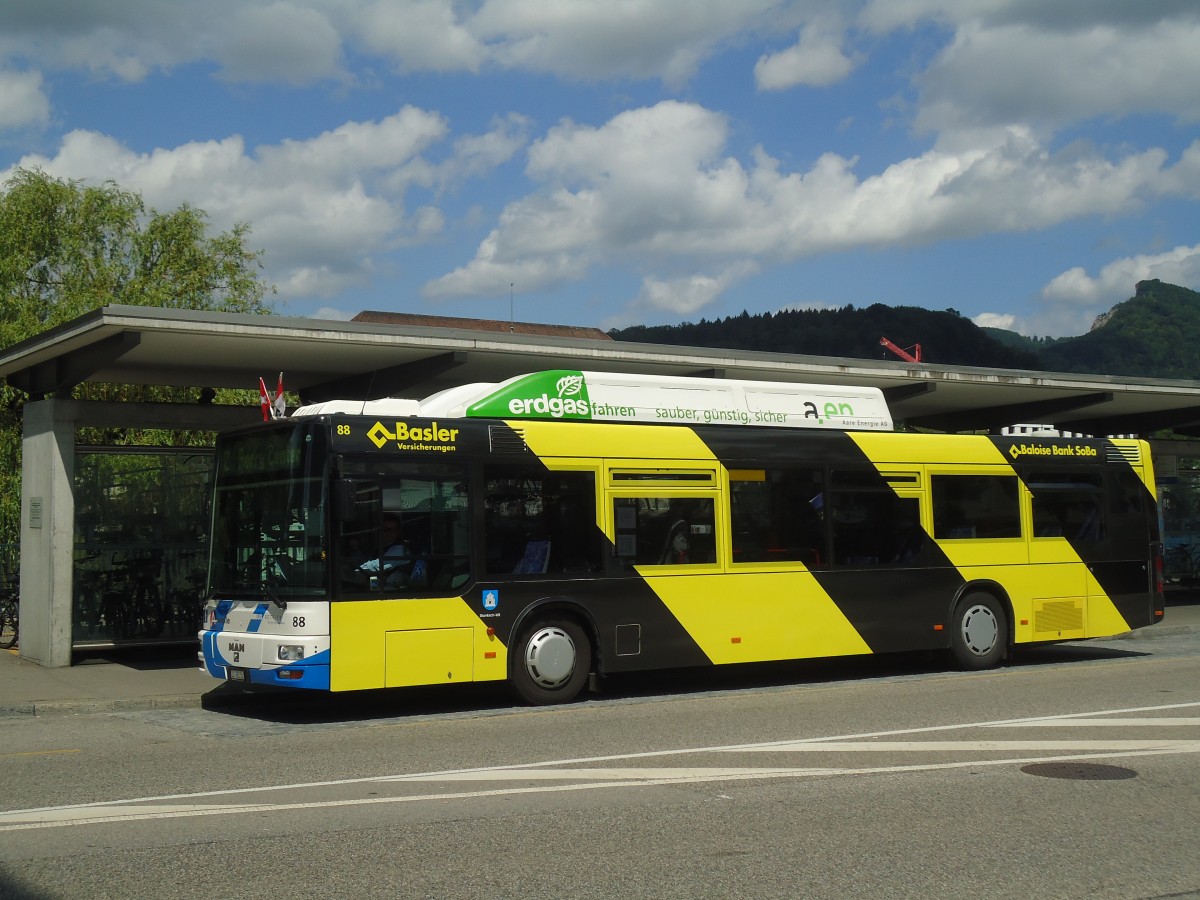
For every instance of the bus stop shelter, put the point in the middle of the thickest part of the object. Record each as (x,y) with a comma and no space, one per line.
(381,355)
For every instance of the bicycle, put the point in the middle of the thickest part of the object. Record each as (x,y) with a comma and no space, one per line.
(9,621)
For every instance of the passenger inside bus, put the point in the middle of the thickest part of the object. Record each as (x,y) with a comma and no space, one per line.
(393,566)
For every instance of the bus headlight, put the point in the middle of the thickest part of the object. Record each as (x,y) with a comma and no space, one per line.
(291,652)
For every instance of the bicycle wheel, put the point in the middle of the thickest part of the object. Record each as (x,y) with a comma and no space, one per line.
(8,623)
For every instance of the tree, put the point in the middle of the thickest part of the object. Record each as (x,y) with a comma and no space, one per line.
(67,248)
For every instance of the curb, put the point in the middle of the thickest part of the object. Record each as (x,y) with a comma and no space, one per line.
(1154,631)
(214,699)
(73,707)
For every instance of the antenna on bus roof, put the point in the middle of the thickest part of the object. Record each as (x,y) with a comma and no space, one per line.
(511,320)
(367,393)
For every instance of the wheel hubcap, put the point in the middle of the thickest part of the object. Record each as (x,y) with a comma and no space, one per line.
(550,657)
(980,630)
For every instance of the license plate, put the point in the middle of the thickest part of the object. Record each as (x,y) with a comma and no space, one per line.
(236,674)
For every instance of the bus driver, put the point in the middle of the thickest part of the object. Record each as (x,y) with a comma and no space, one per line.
(395,558)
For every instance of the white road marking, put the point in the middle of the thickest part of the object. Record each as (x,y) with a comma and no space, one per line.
(1159,722)
(161,807)
(112,813)
(632,775)
(972,746)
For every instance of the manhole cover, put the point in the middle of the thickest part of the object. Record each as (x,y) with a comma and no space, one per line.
(1079,771)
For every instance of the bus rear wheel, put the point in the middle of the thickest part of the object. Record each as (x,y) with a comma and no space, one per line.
(979,632)
(553,658)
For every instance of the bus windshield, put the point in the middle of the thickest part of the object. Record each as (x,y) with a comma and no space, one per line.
(268,534)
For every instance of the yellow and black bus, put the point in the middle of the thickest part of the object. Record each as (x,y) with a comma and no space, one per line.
(567,524)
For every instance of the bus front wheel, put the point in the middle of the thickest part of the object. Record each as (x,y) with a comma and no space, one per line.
(979,633)
(553,659)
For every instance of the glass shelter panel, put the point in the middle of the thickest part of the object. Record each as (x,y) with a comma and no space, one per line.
(141,524)
(1181,529)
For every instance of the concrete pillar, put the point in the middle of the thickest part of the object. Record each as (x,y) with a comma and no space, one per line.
(47,531)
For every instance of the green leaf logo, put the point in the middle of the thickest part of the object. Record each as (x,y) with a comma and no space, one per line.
(569,385)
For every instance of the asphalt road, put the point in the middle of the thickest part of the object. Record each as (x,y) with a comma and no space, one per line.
(1072,773)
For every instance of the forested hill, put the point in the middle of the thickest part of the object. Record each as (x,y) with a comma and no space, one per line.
(1155,333)
(945,337)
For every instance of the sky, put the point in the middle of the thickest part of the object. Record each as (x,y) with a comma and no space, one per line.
(607,163)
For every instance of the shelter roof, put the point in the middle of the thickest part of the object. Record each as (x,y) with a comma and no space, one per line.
(326,359)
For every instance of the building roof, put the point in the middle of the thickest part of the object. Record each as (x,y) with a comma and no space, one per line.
(325,359)
(492,325)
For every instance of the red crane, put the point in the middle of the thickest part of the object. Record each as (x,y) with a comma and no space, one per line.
(904,353)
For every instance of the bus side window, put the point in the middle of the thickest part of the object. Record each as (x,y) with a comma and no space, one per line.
(539,522)
(1068,505)
(975,506)
(875,528)
(776,516)
(425,507)
(665,531)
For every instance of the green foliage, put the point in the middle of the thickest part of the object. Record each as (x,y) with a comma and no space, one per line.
(67,248)
(1148,335)
(945,337)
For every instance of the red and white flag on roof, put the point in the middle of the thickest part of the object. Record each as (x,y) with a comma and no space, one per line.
(272,408)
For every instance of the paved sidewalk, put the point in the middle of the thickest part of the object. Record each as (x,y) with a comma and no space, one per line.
(133,678)
(150,678)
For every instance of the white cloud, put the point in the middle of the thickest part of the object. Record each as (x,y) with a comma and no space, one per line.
(1049,64)
(330,312)
(22,100)
(655,189)
(1071,301)
(423,35)
(253,40)
(817,59)
(303,41)
(995,320)
(325,209)
(1008,61)
(1115,282)
(282,42)
(1062,15)
(607,39)
(691,293)
(478,155)
(1021,73)
(1183,179)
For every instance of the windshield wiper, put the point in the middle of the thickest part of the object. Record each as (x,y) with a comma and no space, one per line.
(272,596)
